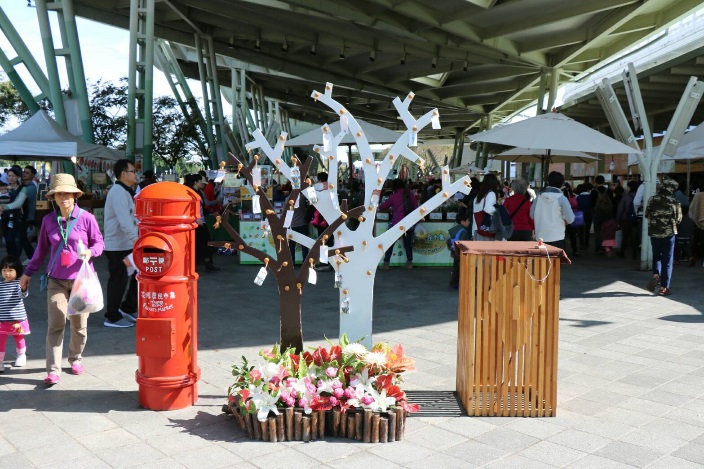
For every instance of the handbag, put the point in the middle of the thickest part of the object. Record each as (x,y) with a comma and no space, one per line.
(44,279)
(483,221)
(578,219)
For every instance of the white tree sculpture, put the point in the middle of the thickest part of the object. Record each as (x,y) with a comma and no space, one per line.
(356,268)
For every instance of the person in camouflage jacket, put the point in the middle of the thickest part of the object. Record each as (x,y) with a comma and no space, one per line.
(663,213)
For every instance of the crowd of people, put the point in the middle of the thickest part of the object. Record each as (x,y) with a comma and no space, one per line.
(589,216)
(605,216)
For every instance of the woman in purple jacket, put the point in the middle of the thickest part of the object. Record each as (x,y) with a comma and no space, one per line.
(401,202)
(61,236)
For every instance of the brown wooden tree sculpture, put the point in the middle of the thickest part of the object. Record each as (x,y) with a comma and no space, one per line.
(290,283)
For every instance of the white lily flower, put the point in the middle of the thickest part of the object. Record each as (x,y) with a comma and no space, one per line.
(264,403)
(381,402)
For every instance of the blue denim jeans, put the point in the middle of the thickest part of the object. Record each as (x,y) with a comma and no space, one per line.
(663,256)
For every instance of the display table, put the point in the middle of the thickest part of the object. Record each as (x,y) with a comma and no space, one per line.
(429,245)
(429,249)
(508,328)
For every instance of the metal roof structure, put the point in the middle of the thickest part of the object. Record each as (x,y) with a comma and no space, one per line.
(663,66)
(468,58)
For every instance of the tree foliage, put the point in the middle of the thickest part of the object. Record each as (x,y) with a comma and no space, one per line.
(175,140)
(11,105)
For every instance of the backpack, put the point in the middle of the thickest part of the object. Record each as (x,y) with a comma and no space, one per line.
(502,221)
(604,207)
(451,241)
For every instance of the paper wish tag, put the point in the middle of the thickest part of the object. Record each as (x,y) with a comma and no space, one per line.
(327,141)
(256,207)
(295,178)
(345,306)
(312,195)
(312,276)
(344,124)
(298,198)
(435,121)
(333,198)
(288,219)
(256,176)
(266,228)
(338,279)
(324,255)
(413,139)
(259,279)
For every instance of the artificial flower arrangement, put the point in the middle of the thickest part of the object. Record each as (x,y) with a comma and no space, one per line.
(340,380)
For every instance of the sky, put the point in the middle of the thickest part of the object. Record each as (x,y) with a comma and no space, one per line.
(105,49)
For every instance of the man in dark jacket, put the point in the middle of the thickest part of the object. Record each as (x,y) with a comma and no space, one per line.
(663,213)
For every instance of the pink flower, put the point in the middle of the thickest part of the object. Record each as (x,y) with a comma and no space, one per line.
(331,371)
(350,393)
(338,392)
(303,402)
(255,375)
(367,400)
(334,401)
(266,353)
(336,383)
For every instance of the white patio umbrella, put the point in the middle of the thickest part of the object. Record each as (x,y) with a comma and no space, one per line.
(553,131)
(537,155)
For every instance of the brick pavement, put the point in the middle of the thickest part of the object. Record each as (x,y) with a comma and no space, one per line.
(630,388)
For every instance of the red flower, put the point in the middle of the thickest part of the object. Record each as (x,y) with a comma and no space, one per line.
(321,403)
(295,361)
(410,408)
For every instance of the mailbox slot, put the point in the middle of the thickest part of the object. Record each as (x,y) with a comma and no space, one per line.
(153,254)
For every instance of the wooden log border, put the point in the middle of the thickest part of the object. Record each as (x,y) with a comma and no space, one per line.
(296,425)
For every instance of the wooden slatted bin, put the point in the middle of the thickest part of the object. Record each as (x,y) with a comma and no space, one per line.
(508,327)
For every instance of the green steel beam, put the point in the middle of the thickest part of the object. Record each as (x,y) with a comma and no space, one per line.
(74,65)
(17,82)
(203,75)
(140,82)
(207,68)
(24,56)
(166,59)
(55,95)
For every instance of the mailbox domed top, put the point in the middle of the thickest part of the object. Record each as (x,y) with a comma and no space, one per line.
(167,202)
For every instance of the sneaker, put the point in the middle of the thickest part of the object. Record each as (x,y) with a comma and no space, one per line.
(385,266)
(77,368)
(121,323)
(52,379)
(409,265)
(21,360)
(131,317)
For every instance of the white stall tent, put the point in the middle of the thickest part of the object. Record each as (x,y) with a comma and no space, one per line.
(41,138)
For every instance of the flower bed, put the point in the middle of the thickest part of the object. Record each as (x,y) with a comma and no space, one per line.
(341,391)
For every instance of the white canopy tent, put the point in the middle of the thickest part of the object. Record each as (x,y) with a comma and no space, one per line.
(41,138)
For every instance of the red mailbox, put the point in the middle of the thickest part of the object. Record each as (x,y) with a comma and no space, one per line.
(167,326)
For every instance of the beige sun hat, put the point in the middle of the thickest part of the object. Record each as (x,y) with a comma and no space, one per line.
(63,182)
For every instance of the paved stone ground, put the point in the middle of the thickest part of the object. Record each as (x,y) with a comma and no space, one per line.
(630,388)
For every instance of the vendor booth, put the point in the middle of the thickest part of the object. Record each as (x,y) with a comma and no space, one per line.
(40,138)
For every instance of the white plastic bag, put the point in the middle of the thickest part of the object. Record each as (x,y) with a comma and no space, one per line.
(86,294)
